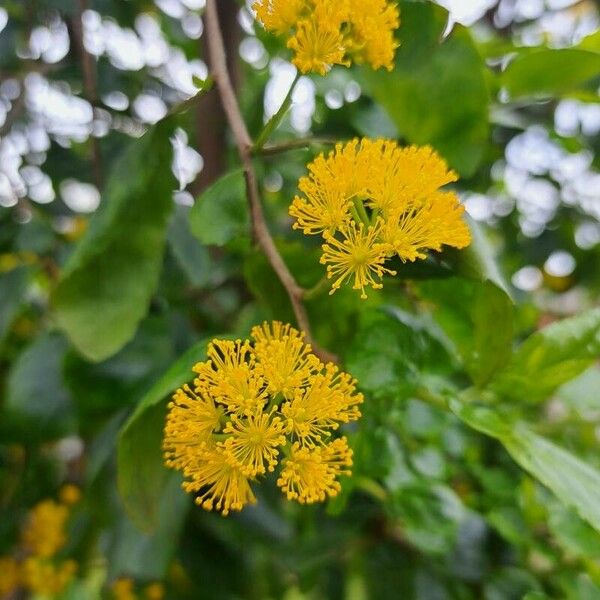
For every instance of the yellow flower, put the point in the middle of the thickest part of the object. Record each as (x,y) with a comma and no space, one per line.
(223,443)
(123,588)
(330,32)
(9,575)
(253,445)
(310,475)
(154,591)
(371,34)
(191,420)
(320,408)
(371,199)
(358,255)
(278,16)
(44,532)
(229,376)
(286,362)
(47,578)
(317,47)
(220,485)
(427,226)
(69,494)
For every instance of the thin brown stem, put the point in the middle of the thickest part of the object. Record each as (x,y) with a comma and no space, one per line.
(298,144)
(90,87)
(244,145)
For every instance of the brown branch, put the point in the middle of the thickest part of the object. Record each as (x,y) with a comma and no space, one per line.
(89,84)
(218,64)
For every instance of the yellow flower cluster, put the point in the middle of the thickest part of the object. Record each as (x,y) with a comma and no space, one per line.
(372,200)
(42,538)
(124,589)
(254,404)
(324,33)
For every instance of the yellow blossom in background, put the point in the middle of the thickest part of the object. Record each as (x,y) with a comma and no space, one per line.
(123,588)
(323,33)
(9,575)
(47,578)
(256,404)
(44,532)
(372,200)
(69,494)
(154,591)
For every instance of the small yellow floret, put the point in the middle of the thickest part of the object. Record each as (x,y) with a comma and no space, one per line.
(310,475)
(9,575)
(123,588)
(46,578)
(358,255)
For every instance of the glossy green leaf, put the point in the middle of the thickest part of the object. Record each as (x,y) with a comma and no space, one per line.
(148,555)
(36,396)
(575,483)
(142,475)
(550,71)
(437,93)
(477,261)
(480,418)
(551,357)
(12,288)
(221,212)
(464,309)
(107,284)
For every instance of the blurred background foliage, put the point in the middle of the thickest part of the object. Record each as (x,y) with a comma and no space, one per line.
(125,245)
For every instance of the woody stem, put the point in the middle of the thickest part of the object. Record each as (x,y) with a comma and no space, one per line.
(244,145)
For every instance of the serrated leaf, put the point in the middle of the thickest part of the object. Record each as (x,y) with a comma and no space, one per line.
(107,284)
(221,212)
(437,93)
(551,357)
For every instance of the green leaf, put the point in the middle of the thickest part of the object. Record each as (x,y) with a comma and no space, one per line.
(551,357)
(480,418)
(389,353)
(12,288)
(465,311)
(574,482)
(477,261)
(142,475)
(221,212)
(573,534)
(437,93)
(550,71)
(36,396)
(107,284)
(193,257)
(148,556)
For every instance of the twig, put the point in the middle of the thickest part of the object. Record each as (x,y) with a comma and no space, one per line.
(244,145)
(300,143)
(89,84)
(274,121)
